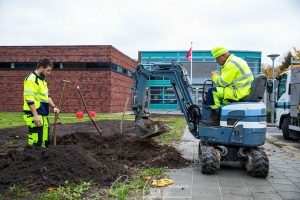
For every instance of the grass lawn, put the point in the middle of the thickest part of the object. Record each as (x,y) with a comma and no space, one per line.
(13,119)
(175,123)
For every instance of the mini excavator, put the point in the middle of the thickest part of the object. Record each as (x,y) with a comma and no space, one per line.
(239,135)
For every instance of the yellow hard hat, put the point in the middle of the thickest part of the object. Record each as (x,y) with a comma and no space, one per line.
(218,51)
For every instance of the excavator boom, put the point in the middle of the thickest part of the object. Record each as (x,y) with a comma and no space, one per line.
(180,81)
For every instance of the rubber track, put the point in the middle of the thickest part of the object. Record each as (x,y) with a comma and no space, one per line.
(208,160)
(260,163)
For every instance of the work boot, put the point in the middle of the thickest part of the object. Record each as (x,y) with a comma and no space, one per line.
(216,115)
(215,119)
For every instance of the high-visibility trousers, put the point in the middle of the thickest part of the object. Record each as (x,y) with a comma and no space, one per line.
(217,96)
(38,136)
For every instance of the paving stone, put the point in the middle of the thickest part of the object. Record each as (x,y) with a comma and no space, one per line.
(292,162)
(294,175)
(205,184)
(280,162)
(237,197)
(234,190)
(295,165)
(290,195)
(294,179)
(279,180)
(286,187)
(282,166)
(276,175)
(297,183)
(261,189)
(249,181)
(291,170)
(230,181)
(207,194)
(177,192)
(262,196)
(274,170)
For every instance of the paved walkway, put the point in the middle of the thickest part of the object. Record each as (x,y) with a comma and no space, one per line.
(231,181)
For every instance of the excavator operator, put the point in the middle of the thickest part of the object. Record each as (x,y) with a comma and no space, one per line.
(233,83)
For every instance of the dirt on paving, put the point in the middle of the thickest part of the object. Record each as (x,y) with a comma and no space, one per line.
(81,154)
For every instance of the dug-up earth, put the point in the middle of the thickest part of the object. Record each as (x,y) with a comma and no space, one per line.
(81,154)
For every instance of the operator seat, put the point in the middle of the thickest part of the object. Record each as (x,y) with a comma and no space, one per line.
(258,88)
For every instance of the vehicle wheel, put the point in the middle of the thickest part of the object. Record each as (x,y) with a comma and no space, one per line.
(285,129)
(257,163)
(208,159)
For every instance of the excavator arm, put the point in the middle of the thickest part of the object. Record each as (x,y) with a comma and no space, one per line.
(180,81)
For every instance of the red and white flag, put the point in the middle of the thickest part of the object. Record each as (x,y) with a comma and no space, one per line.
(189,55)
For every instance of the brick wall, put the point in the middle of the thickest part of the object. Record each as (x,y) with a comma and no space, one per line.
(104,91)
(120,88)
(85,53)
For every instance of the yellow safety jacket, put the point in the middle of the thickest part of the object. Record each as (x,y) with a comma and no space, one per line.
(236,78)
(36,92)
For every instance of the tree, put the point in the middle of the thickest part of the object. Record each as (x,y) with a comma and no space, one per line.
(267,70)
(296,53)
(288,57)
(286,61)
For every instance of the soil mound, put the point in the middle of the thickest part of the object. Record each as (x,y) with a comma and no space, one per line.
(84,156)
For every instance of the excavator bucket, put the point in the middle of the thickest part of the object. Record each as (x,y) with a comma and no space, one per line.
(147,128)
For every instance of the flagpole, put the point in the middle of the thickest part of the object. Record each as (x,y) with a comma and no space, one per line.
(192,63)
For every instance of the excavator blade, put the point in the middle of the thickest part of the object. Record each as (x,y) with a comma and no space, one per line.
(148,128)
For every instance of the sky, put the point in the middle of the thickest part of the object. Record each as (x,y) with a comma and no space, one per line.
(269,26)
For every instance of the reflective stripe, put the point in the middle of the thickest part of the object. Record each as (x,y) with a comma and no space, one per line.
(41,93)
(243,85)
(244,77)
(223,82)
(43,101)
(29,92)
(251,125)
(238,66)
(35,93)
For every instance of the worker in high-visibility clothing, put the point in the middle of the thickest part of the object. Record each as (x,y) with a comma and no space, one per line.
(36,105)
(233,83)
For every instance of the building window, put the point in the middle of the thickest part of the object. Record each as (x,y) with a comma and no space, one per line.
(119,69)
(5,65)
(98,65)
(56,65)
(25,65)
(129,73)
(73,65)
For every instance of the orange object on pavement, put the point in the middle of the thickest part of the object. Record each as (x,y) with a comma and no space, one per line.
(162,182)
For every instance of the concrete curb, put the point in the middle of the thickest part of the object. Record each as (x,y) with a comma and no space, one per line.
(271,125)
(285,147)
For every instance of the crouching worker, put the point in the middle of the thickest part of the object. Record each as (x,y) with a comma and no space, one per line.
(36,105)
(232,84)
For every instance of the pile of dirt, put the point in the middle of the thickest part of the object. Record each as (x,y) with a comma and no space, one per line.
(85,156)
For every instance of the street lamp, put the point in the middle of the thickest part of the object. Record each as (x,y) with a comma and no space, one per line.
(273,57)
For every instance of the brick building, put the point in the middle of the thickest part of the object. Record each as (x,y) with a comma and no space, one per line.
(102,72)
